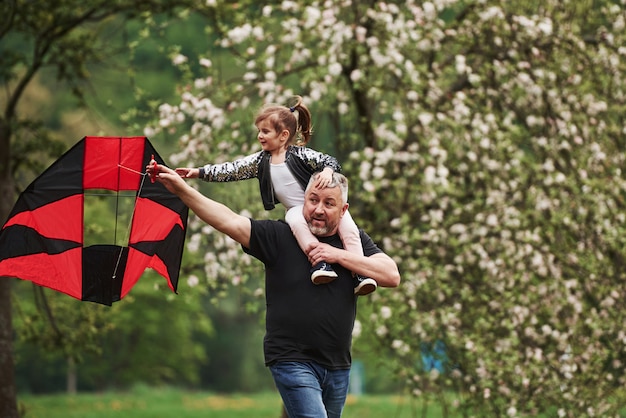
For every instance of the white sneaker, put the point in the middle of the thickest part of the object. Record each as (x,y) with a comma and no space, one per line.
(322,273)
(364,285)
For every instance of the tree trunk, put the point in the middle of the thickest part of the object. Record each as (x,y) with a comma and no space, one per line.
(8,397)
(71,376)
(8,400)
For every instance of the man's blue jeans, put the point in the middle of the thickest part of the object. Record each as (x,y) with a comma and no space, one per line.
(309,390)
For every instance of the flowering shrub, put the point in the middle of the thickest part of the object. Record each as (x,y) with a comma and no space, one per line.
(485,145)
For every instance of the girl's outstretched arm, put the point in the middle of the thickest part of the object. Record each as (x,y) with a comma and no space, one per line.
(188,172)
(213,213)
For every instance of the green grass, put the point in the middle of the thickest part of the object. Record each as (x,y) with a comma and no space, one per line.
(167,403)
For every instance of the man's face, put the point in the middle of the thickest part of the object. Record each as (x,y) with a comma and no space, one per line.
(323,209)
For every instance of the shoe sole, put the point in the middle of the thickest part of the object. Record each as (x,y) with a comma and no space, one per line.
(322,279)
(365,289)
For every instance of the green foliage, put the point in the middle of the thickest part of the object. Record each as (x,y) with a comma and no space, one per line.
(236,362)
(67,40)
(150,336)
(49,51)
(31,150)
(156,322)
(58,326)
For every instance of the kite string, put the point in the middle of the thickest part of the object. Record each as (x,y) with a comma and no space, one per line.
(132,171)
(130,222)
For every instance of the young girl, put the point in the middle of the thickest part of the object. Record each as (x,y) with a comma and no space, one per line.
(283,168)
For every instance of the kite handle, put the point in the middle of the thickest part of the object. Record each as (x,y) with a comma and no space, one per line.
(154,170)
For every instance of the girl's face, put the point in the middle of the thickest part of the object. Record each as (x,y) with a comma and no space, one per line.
(270,139)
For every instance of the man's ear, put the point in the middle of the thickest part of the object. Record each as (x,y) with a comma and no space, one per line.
(344,209)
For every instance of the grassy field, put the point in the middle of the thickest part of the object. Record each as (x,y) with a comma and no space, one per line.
(167,403)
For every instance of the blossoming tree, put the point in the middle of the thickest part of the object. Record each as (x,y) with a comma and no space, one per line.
(485,145)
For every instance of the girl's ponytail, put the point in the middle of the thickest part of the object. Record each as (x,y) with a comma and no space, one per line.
(305,125)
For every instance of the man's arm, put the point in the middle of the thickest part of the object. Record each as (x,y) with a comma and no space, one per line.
(216,214)
(379,266)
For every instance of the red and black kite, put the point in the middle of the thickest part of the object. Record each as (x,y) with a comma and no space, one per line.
(44,237)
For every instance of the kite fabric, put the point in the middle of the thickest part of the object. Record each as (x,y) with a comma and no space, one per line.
(43,239)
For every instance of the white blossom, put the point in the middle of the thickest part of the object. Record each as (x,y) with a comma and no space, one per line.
(334,69)
(179,59)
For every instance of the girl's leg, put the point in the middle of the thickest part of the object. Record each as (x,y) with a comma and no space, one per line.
(300,228)
(351,238)
(322,272)
(349,233)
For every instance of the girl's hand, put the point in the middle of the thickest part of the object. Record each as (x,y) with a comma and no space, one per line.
(324,178)
(188,173)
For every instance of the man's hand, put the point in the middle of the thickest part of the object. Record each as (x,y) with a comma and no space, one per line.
(319,251)
(166,176)
(379,266)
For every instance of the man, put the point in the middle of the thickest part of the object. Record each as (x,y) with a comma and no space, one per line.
(308,327)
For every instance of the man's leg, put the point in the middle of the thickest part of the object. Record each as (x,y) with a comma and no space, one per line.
(309,390)
(334,391)
(299,387)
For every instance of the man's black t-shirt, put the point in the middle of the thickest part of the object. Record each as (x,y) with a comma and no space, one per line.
(304,321)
